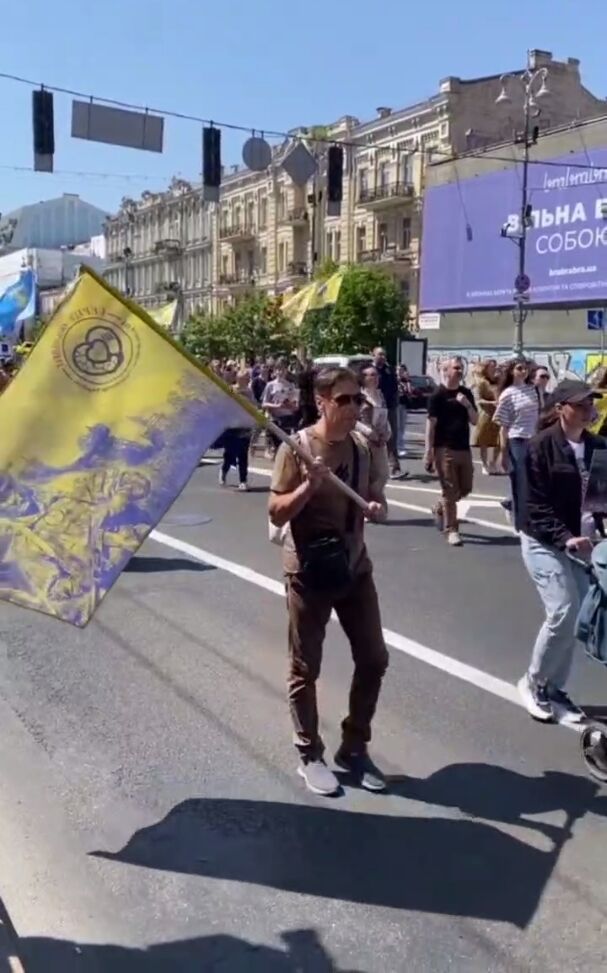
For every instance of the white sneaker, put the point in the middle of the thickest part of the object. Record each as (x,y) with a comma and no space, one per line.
(486,470)
(243,487)
(535,699)
(319,779)
(402,453)
(454,539)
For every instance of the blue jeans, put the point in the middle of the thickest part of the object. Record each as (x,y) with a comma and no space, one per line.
(561,584)
(517,451)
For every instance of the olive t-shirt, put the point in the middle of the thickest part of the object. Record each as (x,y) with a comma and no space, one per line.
(327,510)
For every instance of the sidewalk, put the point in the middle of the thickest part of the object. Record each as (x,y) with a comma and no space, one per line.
(9,945)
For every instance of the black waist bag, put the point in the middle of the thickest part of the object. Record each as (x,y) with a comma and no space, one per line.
(325,561)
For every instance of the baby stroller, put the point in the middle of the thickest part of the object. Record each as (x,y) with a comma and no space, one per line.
(591,630)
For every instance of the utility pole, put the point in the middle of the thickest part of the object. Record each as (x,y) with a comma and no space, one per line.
(534,87)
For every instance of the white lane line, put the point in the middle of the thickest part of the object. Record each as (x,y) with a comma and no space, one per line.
(453,667)
(415,508)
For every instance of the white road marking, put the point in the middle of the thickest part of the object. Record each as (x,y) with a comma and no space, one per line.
(423,653)
(415,508)
(461,670)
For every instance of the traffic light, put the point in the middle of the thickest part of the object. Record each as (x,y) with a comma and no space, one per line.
(335,178)
(44,130)
(211,163)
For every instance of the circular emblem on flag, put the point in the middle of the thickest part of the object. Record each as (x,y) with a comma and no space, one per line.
(98,353)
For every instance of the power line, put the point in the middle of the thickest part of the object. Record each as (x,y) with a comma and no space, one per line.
(182,116)
(94,175)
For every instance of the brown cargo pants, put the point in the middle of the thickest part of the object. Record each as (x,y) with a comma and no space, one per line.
(455,473)
(357,608)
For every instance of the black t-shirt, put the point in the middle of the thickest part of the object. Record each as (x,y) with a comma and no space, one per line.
(452,420)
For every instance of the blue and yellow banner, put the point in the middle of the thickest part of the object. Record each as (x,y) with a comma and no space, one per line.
(102,429)
(17,303)
(165,314)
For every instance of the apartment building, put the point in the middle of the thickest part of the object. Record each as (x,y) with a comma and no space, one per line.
(266,232)
(159,247)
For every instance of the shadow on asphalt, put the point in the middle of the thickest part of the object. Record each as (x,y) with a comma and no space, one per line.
(154,565)
(302,951)
(485,540)
(448,866)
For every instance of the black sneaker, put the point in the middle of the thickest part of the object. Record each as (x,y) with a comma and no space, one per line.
(564,709)
(362,769)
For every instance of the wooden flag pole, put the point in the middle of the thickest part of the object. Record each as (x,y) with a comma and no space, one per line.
(308,459)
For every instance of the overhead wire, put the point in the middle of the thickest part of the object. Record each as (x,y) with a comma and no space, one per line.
(303,135)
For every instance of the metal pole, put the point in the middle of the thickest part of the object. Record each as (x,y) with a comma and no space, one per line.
(521,308)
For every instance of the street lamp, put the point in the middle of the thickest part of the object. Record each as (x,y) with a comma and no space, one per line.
(534,88)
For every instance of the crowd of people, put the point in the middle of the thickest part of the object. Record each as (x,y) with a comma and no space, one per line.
(284,390)
(352,427)
(540,439)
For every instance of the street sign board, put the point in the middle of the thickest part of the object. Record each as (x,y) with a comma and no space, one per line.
(595,320)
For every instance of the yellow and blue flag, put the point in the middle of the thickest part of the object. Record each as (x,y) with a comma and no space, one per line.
(102,429)
(312,297)
(17,303)
(165,314)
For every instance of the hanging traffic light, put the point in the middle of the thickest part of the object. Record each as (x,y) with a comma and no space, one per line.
(44,130)
(335,178)
(211,163)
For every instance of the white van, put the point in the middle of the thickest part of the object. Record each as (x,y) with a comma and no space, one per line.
(355,362)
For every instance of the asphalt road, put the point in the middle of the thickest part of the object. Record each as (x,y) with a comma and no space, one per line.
(150,816)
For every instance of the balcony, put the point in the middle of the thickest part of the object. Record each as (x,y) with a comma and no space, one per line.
(383,197)
(298,216)
(237,281)
(168,246)
(238,233)
(390,254)
(295,270)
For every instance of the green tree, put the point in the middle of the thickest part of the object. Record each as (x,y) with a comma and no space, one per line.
(203,337)
(254,326)
(370,311)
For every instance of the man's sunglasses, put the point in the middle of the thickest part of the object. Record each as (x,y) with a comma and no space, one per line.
(345,399)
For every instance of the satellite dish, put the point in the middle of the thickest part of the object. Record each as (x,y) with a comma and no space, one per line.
(256,154)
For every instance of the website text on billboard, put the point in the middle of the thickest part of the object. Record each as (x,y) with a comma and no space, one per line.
(467,264)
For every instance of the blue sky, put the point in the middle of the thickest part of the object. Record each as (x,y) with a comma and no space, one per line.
(262,63)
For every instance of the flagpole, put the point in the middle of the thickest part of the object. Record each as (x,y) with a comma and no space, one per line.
(308,459)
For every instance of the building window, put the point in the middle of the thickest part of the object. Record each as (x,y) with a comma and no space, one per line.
(250,263)
(337,247)
(225,265)
(251,213)
(406,234)
(263,260)
(405,170)
(263,213)
(361,239)
(282,257)
(383,175)
(237,214)
(363,181)
(382,237)
(281,206)
(329,246)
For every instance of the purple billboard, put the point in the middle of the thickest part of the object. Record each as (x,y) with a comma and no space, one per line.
(467,264)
